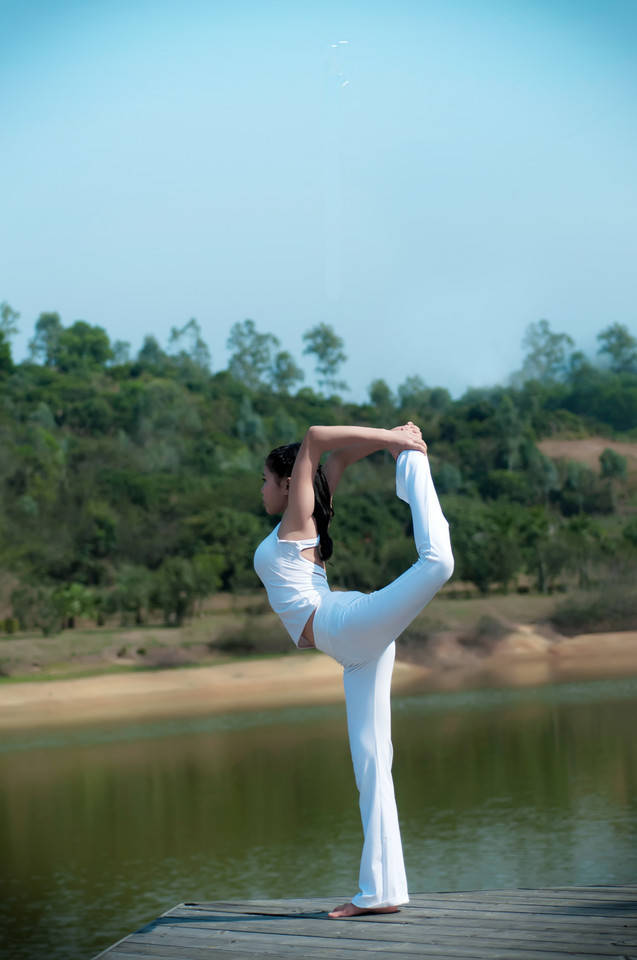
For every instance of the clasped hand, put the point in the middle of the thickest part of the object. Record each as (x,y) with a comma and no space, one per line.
(408,437)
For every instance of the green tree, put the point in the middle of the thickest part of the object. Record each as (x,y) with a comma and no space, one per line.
(232,535)
(447,477)
(619,348)
(543,545)
(629,533)
(176,589)
(547,353)
(72,601)
(121,352)
(413,393)
(612,463)
(6,360)
(383,400)
(251,353)
(284,428)
(580,490)
(440,399)
(284,373)
(541,473)
(8,320)
(207,569)
(485,543)
(133,588)
(189,343)
(249,425)
(82,348)
(43,346)
(507,428)
(583,543)
(327,347)
(35,606)
(151,356)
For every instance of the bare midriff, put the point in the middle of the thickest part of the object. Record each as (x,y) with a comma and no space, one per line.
(308,633)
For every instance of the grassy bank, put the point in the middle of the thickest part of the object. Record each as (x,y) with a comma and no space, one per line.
(231,628)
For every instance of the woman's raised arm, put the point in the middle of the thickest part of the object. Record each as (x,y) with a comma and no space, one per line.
(340,459)
(352,443)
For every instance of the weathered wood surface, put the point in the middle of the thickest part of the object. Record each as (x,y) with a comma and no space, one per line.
(580,923)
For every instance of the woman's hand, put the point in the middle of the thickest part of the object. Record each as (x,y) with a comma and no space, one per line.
(408,437)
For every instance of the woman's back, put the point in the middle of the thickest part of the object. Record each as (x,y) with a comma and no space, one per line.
(294,583)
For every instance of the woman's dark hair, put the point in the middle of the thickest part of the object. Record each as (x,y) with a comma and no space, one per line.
(281,461)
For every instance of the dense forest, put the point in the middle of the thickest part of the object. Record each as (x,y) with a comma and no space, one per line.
(132,483)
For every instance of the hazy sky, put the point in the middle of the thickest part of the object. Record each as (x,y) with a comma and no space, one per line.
(452,173)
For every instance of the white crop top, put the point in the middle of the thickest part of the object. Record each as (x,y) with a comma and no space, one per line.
(294,583)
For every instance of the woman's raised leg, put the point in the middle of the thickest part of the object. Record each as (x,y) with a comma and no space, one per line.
(367,623)
(415,486)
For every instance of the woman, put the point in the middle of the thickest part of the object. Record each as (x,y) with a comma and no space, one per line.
(356,629)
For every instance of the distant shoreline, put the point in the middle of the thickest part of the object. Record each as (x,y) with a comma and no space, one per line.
(522,659)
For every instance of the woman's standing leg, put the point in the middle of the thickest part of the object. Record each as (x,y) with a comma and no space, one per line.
(382,878)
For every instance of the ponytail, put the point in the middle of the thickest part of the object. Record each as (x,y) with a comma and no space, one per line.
(281,461)
(323,513)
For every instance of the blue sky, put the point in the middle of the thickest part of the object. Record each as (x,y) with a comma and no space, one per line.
(451,174)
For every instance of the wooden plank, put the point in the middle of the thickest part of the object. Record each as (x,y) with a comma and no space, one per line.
(531,930)
(335,950)
(147,952)
(407,932)
(593,947)
(406,939)
(409,920)
(476,899)
(424,916)
(559,923)
(627,903)
(531,896)
(271,908)
(574,914)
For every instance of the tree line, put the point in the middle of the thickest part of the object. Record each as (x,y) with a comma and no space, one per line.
(131,482)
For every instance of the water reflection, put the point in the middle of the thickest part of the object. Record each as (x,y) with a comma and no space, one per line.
(102,829)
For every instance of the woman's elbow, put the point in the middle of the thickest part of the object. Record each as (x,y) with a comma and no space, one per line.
(314,439)
(447,566)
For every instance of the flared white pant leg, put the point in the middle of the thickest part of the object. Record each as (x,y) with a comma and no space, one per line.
(382,878)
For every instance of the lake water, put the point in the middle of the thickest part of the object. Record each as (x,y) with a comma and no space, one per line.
(103,829)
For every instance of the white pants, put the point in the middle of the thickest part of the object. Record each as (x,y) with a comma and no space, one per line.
(358,630)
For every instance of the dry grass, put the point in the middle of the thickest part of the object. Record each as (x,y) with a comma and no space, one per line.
(588,449)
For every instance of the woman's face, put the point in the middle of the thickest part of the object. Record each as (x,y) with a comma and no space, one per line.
(274,491)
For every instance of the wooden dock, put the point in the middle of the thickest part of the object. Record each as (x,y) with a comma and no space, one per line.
(581,923)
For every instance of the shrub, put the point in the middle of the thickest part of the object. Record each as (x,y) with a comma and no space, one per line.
(485,635)
(253,637)
(36,607)
(611,607)
(165,658)
(612,463)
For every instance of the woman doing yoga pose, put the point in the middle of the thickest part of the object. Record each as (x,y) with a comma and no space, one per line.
(356,629)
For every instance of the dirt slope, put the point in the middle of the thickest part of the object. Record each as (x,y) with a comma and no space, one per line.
(588,449)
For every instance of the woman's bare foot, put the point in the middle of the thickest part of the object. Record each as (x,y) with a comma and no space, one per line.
(349,910)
